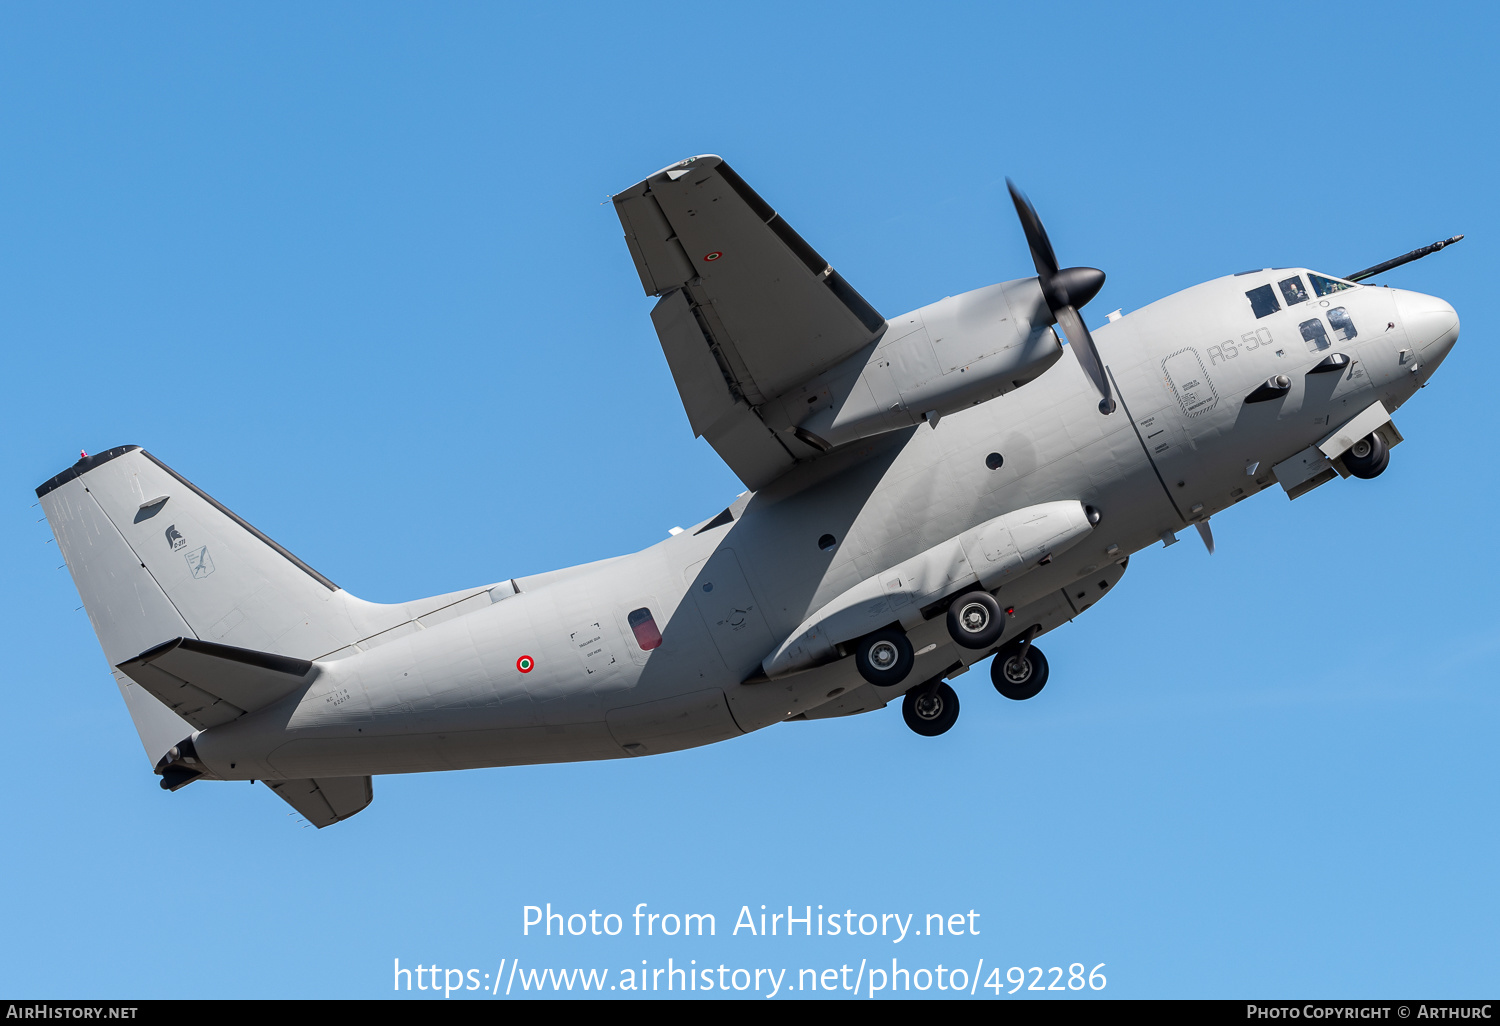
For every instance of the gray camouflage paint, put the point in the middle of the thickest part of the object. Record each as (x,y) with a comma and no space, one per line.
(445,692)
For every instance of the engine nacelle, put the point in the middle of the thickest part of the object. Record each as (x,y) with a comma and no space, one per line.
(990,555)
(953,354)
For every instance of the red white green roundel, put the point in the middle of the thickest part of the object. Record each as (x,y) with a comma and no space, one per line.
(525,664)
(710,258)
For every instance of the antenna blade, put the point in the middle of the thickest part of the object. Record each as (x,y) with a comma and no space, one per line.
(1207,534)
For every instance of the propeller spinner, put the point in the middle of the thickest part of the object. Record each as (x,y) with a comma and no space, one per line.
(1066,289)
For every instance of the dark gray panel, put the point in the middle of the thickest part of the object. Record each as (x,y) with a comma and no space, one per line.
(701,384)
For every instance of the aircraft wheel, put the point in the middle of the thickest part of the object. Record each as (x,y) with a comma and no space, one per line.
(975,620)
(1368,457)
(930,711)
(884,658)
(1019,677)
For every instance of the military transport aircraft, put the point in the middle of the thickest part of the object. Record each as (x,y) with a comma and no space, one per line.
(923,491)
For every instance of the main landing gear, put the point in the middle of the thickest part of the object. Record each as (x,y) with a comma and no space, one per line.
(931,708)
(1019,671)
(884,657)
(975,620)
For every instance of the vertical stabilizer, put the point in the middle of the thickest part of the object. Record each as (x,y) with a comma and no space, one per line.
(156,559)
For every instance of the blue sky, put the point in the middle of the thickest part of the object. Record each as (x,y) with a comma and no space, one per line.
(350,269)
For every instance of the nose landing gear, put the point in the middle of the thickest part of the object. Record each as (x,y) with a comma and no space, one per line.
(1368,457)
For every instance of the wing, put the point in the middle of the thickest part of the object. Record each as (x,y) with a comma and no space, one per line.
(749,311)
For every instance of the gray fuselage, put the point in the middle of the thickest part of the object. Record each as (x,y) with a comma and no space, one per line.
(561,670)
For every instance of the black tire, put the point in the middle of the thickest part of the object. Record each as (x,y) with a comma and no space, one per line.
(1368,457)
(930,711)
(884,658)
(975,620)
(1016,679)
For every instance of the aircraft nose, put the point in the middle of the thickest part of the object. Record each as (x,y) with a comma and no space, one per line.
(1431,324)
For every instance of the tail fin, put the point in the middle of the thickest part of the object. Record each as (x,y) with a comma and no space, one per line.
(155,559)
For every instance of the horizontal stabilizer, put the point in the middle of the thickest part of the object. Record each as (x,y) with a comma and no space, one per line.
(208,684)
(326,801)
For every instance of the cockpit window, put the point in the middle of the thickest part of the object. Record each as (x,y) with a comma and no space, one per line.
(1314,335)
(1328,286)
(1263,301)
(1292,291)
(1342,324)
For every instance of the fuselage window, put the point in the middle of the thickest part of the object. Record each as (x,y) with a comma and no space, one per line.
(1328,286)
(646,633)
(1263,301)
(1292,291)
(1314,335)
(1343,325)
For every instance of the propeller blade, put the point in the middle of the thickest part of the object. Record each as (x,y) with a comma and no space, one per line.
(1088,355)
(1065,290)
(1036,236)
